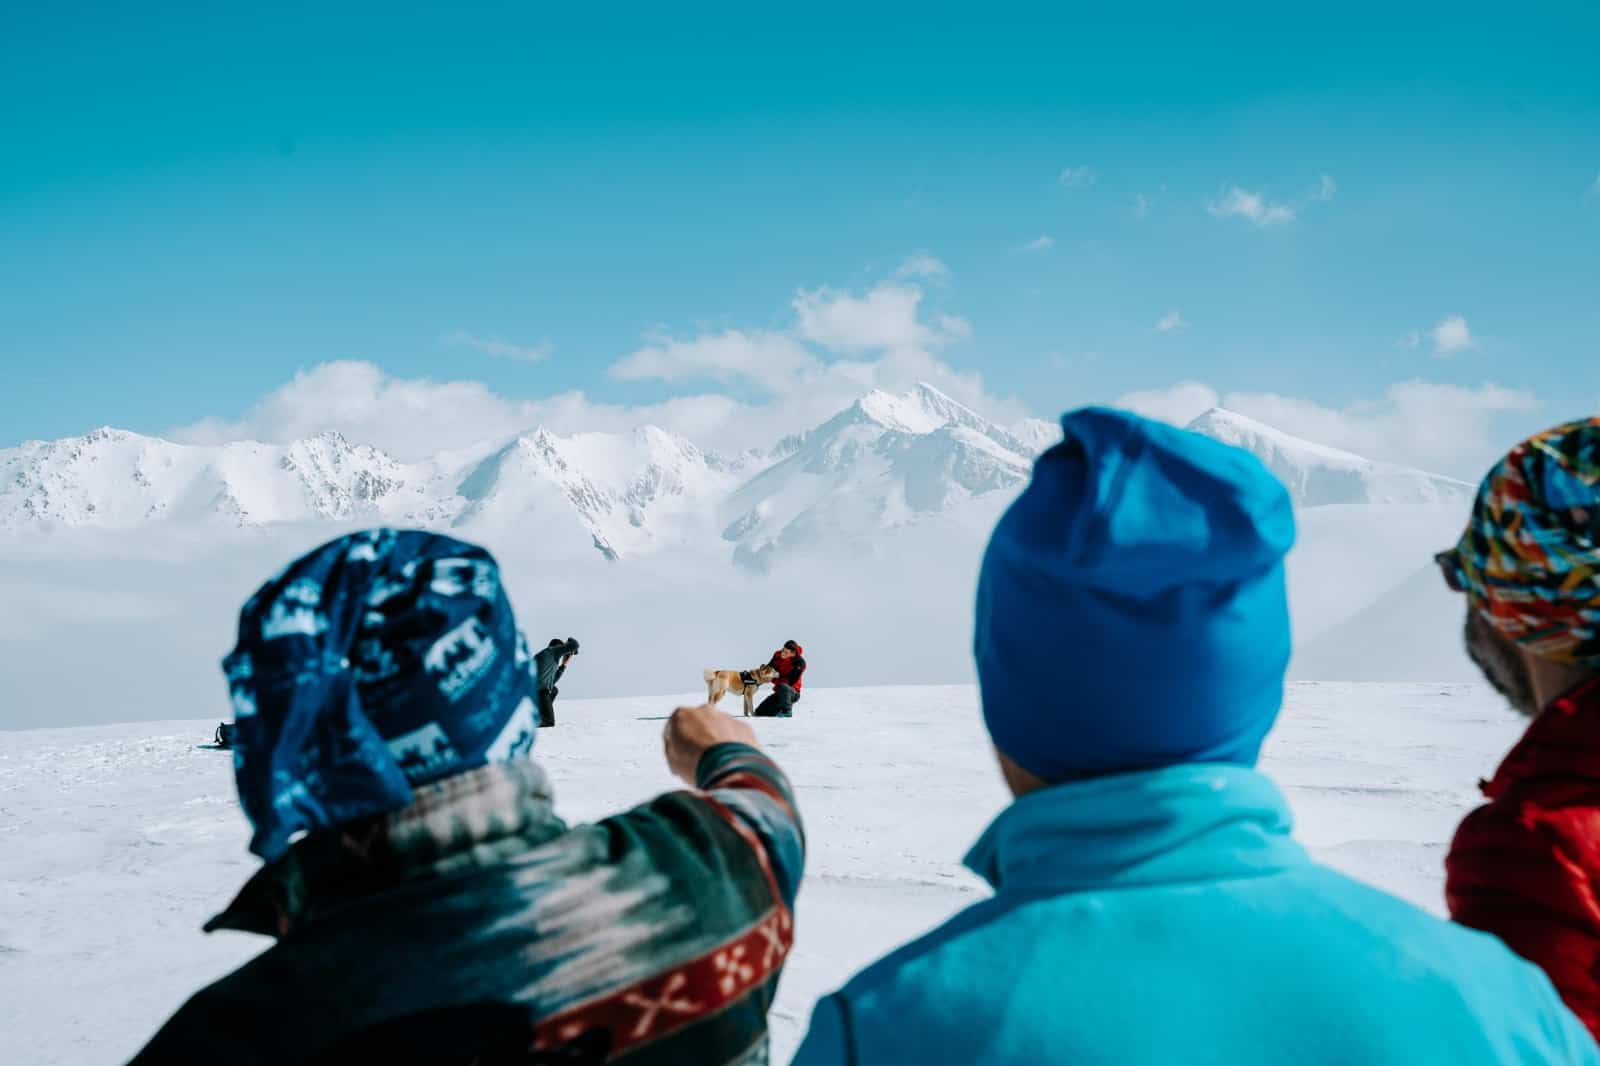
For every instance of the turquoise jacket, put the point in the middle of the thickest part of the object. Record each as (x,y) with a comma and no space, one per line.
(1167,917)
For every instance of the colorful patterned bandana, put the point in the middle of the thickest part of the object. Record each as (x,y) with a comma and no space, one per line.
(378,662)
(1529,560)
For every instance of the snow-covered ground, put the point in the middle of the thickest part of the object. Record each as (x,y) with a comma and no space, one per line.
(117,842)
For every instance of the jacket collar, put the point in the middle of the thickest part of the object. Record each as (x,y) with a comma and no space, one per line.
(473,819)
(1563,741)
(1197,822)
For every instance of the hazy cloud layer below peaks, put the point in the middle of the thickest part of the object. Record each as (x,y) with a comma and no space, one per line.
(862,539)
(133,627)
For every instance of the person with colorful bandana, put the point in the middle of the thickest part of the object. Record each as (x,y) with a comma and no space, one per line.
(790,663)
(1526,866)
(1150,904)
(428,905)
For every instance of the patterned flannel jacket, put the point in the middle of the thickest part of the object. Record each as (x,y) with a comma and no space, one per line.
(474,927)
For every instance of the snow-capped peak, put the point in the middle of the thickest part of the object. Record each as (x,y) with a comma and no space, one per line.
(1317,474)
(887,460)
(925,409)
(905,413)
(1231,427)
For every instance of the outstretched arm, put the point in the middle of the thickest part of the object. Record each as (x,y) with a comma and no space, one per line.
(718,755)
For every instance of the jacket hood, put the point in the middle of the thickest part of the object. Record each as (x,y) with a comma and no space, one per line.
(1193,823)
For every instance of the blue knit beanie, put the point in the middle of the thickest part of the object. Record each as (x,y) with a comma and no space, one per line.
(379,662)
(1131,609)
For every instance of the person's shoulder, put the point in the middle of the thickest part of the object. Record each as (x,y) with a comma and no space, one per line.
(918,962)
(1427,949)
(219,1023)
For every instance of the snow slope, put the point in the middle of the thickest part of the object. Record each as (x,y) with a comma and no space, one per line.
(1412,631)
(1348,556)
(117,842)
(1318,475)
(1037,434)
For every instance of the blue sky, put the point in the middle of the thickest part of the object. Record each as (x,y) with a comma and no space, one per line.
(196,205)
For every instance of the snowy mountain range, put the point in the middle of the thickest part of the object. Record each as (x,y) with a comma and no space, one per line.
(885,462)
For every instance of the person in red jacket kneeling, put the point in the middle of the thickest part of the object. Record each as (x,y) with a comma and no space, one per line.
(1525,866)
(790,664)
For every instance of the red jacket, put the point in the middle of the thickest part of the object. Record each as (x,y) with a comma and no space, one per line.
(790,669)
(1526,867)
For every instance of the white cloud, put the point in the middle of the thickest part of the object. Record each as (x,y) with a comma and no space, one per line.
(1077,177)
(923,265)
(1237,202)
(769,360)
(885,318)
(1042,243)
(952,327)
(1172,322)
(1325,190)
(1449,429)
(1180,404)
(772,382)
(499,349)
(412,418)
(1450,335)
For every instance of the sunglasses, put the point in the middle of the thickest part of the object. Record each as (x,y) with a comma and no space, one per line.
(1450,566)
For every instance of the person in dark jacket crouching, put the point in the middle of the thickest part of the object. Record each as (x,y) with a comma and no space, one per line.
(790,664)
(428,904)
(549,665)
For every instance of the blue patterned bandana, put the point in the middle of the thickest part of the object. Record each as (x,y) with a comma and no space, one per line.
(378,662)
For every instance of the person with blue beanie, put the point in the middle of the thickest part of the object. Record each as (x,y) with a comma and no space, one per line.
(1150,905)
(427,903)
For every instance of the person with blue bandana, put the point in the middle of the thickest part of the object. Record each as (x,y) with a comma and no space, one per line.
(426,902)
(1150,904)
